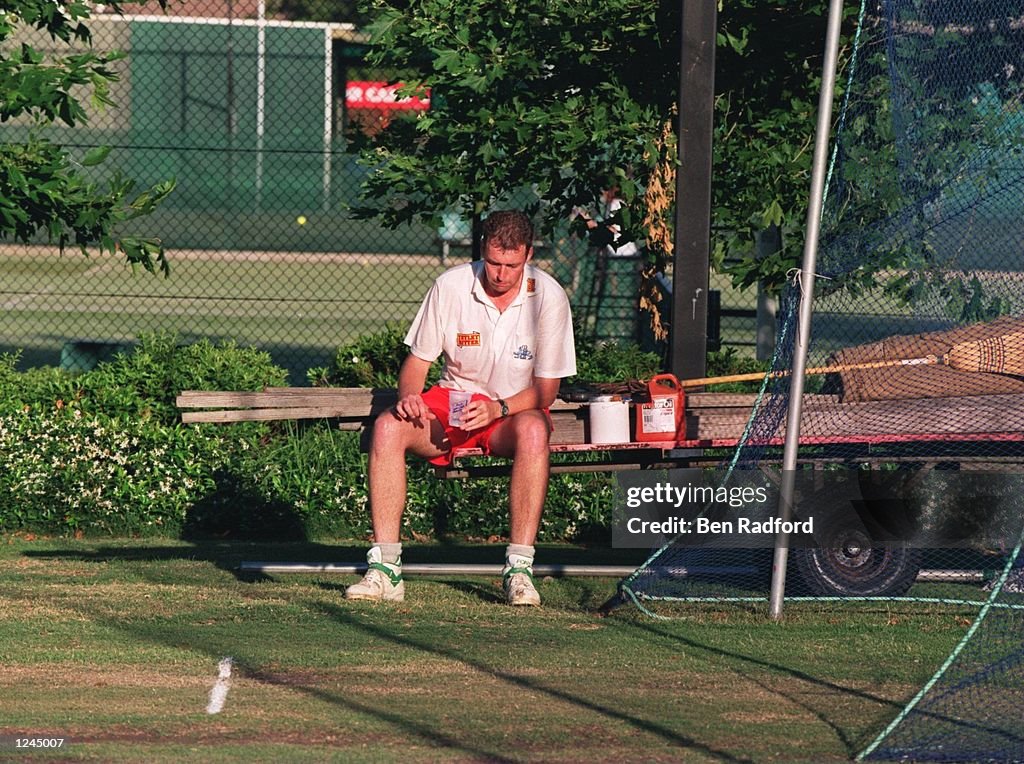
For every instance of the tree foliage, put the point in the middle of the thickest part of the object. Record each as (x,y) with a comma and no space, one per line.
(569,98)
(43,190)
(523,93)
(573,97)
(767,80)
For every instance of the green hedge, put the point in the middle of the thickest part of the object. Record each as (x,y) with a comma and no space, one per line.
(103,453)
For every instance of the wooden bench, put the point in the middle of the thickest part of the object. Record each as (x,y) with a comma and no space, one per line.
(872,431)
(712,421)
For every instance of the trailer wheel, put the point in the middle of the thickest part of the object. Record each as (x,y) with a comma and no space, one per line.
(847,565)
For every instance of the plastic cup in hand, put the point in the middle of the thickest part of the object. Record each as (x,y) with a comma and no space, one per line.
(457,400)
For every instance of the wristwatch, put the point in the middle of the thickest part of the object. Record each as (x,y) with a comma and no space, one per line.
(504,408)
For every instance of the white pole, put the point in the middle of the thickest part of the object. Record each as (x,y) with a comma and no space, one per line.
(435,569)
(806,286)
(261,94)
(555,570)
(328,80)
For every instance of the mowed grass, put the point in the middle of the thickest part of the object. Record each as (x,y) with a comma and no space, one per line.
(116,646)
(254,298)
(298,306)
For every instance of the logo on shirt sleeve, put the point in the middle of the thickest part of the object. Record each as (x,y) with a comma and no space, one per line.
(467,339)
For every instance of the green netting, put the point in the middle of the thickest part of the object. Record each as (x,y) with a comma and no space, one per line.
(911,462)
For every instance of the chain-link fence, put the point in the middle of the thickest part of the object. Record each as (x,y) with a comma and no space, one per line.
(255,120)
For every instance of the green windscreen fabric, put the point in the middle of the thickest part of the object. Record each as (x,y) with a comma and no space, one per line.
(200,115)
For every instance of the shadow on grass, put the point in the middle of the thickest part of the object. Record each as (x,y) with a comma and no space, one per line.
(223,555)
(350,619)
(852,747)
(429,734)
(251,669)
(227,555)
(849,745)
(530,684)
(482,592)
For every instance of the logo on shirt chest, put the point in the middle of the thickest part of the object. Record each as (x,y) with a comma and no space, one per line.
(522,353)
(467,339)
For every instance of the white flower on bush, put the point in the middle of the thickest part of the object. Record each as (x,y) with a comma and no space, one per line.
(65,470)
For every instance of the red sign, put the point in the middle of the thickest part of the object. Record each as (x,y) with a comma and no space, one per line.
(381,95)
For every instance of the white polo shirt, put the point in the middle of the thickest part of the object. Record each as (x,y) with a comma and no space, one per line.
(489,352)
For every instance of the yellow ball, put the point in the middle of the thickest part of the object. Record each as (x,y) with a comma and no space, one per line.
(301,220)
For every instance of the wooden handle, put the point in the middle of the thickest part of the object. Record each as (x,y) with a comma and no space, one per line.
(759,375)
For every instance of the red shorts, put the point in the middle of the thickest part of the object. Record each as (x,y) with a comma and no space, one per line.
(436,399)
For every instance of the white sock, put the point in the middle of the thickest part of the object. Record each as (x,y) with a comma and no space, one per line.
(519,556)
(389,554)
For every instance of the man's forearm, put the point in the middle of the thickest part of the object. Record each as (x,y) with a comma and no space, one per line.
(540,395)
(412,376)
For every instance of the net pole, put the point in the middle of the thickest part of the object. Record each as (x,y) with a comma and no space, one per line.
(261,94)
(805,282)
(328,124)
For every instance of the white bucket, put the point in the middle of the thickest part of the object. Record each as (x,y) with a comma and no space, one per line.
(609,419)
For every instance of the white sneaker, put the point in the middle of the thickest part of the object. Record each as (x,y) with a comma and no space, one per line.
(383,581)
(519,588)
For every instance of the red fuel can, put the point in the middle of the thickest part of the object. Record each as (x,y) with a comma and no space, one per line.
(659,413)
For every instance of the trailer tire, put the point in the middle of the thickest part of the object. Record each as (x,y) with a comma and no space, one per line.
(847,564)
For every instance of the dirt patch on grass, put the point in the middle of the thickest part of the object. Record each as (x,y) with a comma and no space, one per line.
(571,717)
(117,601)
(762,717)
(65,676)
(28,608)
(27,566)
(143,676)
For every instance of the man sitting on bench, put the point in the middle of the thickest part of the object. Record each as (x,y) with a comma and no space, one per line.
(505,329)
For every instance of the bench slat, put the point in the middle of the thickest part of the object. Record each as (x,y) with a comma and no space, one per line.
(384,394)
(270,414)
(357,401)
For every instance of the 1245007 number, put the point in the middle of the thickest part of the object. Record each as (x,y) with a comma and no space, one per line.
(39,742)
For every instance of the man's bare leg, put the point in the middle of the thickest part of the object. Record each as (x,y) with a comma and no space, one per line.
(524,438)
(392,438)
